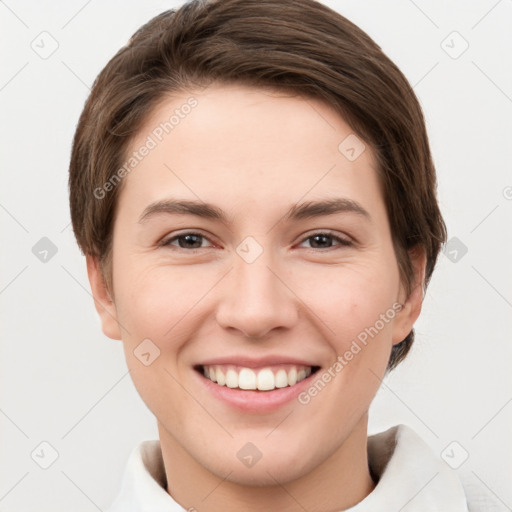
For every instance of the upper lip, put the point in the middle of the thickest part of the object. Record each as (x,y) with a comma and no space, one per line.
(252,362)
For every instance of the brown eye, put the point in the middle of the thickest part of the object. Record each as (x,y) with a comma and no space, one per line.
(186,241)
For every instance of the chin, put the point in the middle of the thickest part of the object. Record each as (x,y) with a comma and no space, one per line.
(266,474)
(274,467)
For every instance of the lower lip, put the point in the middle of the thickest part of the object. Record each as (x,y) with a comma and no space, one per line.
(255,401)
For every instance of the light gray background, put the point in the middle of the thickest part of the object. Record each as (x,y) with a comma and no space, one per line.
(63,382)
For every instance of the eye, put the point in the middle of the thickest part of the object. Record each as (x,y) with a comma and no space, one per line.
(192,241)
(323,240)
(189,240)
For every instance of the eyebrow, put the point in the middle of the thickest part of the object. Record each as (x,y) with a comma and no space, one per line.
(306,210)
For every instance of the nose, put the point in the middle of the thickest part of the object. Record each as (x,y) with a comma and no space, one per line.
(256,298)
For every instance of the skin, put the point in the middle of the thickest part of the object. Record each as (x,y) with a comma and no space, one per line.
(253,154)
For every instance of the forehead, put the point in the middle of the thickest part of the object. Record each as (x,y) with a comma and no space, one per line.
(240,144)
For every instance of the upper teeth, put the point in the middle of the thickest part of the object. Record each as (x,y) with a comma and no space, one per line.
(265,379)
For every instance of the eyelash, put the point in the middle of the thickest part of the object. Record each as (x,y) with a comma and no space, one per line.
(342,241)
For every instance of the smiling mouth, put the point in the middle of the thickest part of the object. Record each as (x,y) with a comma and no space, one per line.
(263,379)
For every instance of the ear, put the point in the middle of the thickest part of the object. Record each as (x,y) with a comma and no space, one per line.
(102,301)
(411,309)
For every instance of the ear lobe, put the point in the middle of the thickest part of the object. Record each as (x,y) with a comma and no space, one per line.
(102,301)
(411,309)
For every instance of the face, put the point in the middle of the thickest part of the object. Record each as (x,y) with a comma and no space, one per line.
(223,266)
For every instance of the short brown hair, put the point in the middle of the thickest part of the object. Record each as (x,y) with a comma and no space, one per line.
(298,45)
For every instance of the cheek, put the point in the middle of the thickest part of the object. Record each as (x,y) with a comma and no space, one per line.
(156,303)
(159,301)
(351,298)
(357,306)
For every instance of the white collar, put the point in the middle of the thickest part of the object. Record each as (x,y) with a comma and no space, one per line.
(411,478)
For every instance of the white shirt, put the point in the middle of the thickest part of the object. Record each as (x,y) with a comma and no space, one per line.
(411,478)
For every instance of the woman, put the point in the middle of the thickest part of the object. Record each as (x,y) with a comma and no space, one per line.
(252,186)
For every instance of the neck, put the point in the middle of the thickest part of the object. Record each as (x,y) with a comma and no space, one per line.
(339,482)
